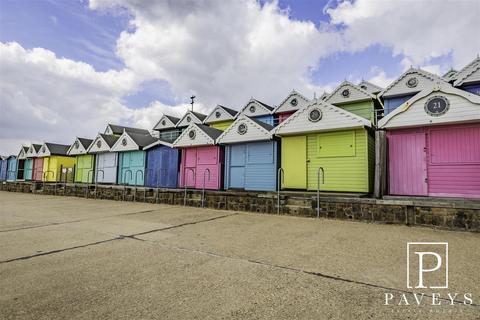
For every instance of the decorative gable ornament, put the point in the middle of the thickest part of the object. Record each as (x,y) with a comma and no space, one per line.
(315,115)
(192,134)
(294,102)
(242,128)
(412,82)
(218,114)
(437,106)
(346,93)
(77,144)
(99,143)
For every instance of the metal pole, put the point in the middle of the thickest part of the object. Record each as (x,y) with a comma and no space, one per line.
(136,182)
(280,177)
(318,188)
(88,181)
(185,184)
(203,190)
(125,183)
(96,180)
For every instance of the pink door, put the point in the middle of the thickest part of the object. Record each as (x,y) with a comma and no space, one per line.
(208,167)
(190,168)
(38,169)
(407,163)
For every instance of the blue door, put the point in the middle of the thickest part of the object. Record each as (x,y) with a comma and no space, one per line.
(11,168)
(3,170)
(261,166)
(236,165)
(162,167)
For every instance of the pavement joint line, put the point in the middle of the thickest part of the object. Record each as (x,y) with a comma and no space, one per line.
(298,270)
(75,221)
(120,237)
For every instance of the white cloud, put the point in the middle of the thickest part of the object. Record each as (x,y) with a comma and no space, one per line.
(419,30)
(223,51)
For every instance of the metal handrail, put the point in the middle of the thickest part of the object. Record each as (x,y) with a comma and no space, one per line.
(185,184)
(318,188)
(203,189)
(124,183)
(136,182)
(88,180)
(96,180)
(45,174)
(280,178)
(160,170)
(145,182)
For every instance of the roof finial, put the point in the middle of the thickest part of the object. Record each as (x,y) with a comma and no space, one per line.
(193,101)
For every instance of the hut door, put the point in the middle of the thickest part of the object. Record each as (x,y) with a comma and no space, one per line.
(38,169)
(236,172)
(190,166)
(408,166)
(294,162)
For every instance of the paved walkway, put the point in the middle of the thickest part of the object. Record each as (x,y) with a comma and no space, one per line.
(74,258)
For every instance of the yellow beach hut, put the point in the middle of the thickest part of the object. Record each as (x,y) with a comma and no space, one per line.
(57,165)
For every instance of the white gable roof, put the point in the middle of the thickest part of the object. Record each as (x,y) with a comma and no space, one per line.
(220,113)
(332,118)
(401,85)
(188,118)
(195,135)
(463,107)
(125,143)
(76,148)
(255,108)
(98,145)
(470,73)
(44,151)
(165,122)
(292,102)
(158,143)
(347,92)
(31,152)
(255,131)
(23,153)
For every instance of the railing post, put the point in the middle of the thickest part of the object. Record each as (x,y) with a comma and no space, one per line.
(203,189)
(280,177)
(125,183)
(96,180)
(136,182)
(318,188)
(185,184)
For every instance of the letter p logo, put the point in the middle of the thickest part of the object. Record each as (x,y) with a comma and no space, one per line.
(427,263)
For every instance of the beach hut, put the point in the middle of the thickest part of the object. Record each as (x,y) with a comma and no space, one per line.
(3,168)
(34,164)
(106,161)
(11,168)
(132,157)
(468,78)
(289,105)
(356,100)
(57,165)
(163,162)
(258,110)
(84,163)
(406,86)
(21,160)
(188,118)
(220,118)
(434,144)
(321,135)
(251,155)
(167,128)
(201,157)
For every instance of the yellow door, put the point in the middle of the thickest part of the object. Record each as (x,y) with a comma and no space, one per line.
(294,162)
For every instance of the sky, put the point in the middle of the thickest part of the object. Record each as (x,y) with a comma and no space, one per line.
(69,67)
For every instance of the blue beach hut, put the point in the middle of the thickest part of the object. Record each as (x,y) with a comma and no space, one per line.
(163,163)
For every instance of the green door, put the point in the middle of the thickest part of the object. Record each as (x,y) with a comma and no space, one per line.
(28,169)
(294,162)
(84,168)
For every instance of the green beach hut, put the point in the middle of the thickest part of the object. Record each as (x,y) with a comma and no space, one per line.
(84,162)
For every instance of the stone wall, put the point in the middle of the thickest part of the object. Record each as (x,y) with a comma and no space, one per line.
(439,213)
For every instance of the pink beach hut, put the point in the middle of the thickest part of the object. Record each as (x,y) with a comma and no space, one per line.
(202,159)
(434,144)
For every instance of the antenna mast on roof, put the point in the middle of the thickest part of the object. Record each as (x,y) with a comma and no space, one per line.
(192,98)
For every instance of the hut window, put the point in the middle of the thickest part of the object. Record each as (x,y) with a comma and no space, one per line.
(315,115)
(99,144)
(242,128)
(218,114)
(336,144)
(412,82)
(252,109)
(346,93)
(294,102)
(437,106)
(192,134)
(124,142)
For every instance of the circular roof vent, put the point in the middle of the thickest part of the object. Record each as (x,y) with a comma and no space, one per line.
(346,93)
(99,144)
(315,115)
(192,134)
(252,109)
(242,128)
(218,114)
(164,122)
(189,119)
(294,102)
(412,82)
(76,145)
(124,142)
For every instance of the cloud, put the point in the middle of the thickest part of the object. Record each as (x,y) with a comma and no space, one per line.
(419,30)
(224,52)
